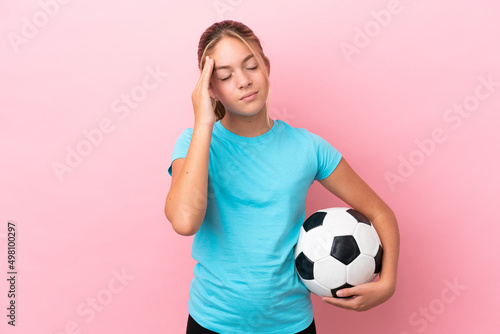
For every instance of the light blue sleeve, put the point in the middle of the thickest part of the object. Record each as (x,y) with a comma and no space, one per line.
(328,157)
(181,147)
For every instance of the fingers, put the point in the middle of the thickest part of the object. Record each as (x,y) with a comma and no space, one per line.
(350,303)
(203,84)
(206,74)
(202,95)
(361,297)
(350,298)
(348,292)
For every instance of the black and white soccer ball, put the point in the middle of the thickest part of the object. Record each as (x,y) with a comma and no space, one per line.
(337,248)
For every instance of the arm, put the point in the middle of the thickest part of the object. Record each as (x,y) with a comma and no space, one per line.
(186,201)
(344,183)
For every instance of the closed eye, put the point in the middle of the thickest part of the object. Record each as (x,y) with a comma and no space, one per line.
(248,68)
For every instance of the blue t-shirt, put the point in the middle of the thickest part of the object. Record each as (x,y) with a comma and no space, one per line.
(245,281)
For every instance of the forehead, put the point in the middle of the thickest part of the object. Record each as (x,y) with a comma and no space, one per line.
(230,50)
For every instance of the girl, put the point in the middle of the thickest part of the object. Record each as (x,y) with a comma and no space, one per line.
(239,183)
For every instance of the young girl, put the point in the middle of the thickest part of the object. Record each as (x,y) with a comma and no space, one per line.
(239,183)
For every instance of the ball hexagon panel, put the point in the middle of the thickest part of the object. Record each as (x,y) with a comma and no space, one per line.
(367,240)
(345,249)
(360,270)
(329,272)
(338,223)
(317,243)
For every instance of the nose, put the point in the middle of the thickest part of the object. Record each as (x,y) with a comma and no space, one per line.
(243,80)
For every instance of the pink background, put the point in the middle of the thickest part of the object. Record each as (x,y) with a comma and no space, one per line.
(378,79)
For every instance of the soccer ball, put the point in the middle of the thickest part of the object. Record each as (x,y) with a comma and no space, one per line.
(337,248)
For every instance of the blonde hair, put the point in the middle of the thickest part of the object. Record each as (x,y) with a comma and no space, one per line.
(238,30)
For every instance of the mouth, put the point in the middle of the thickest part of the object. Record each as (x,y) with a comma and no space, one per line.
(249,97)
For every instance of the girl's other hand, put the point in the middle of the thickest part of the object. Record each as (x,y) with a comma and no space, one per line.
(362,297)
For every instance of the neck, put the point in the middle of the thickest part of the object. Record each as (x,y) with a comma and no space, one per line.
(248,126)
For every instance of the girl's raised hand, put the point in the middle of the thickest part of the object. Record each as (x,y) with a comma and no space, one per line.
(202,103)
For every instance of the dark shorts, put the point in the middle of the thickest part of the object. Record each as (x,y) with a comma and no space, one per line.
(194,328)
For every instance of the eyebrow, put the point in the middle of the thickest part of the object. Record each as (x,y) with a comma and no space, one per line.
(227,66)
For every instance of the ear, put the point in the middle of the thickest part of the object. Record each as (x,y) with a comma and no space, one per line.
(268,66)
(212,94)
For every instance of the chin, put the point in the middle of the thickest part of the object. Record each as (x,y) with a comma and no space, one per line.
(246,112)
